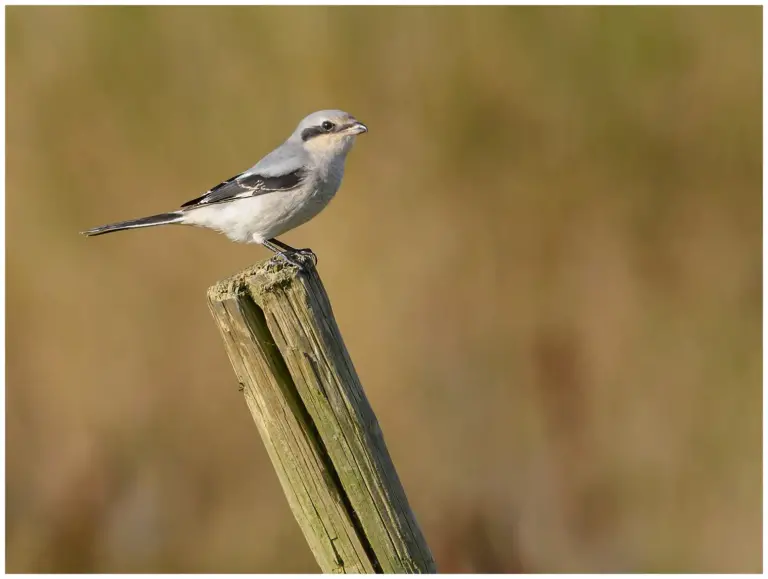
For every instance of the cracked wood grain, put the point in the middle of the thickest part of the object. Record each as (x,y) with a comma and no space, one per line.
(317,425)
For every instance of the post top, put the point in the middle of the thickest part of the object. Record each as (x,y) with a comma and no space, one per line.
(259,277)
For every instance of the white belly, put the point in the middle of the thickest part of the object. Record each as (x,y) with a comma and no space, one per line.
(254,219)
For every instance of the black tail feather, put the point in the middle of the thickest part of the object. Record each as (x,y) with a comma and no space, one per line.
(150,221)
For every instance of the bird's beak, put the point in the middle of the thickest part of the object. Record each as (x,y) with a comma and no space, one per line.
(356,128)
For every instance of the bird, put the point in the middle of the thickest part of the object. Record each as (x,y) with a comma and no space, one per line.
(284,190)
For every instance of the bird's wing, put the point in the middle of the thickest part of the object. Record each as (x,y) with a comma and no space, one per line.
(249,184)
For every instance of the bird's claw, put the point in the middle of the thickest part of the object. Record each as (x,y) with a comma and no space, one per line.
(309,253)
(297,258)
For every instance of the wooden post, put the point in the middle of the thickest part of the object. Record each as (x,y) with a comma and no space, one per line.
(320,432)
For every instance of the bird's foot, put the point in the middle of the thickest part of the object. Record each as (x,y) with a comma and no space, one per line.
(297,258)
(308,253)
(290,258)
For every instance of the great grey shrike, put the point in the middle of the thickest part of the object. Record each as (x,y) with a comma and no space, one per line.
(285,189)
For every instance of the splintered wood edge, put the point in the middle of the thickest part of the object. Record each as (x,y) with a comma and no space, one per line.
(261,277)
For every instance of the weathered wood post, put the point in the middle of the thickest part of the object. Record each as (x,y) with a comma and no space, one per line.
(316,422)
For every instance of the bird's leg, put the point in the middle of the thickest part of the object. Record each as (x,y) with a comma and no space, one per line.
(281,245)
(283,251)
(286,247)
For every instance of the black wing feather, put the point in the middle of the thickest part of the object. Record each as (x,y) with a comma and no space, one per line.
(247,185)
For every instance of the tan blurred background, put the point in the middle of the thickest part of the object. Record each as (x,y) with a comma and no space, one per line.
(545,260)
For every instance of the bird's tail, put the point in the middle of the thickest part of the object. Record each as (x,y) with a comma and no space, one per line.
(150,221)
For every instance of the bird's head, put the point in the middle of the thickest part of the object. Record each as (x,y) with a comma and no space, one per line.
(328,133)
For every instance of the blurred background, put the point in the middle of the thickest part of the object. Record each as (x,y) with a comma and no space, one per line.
(545,260)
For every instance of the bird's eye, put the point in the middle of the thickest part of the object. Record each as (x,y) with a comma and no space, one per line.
(327,126)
